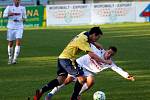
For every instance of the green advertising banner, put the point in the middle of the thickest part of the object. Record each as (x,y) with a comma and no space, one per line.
(3,21)
(35,17)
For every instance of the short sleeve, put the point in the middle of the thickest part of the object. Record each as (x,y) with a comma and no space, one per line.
(5,14)
(84,45)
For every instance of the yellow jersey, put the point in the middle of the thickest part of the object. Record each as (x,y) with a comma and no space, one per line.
(79,43)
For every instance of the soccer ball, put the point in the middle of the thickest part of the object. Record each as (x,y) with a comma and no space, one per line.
(99,95)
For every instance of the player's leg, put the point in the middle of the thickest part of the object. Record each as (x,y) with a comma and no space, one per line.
(10,38)
(81,79)
(72,69)
(10,52)
(18,35)
(62,75)
(89,83)
(17,50)
(68,80)
(77,88)
(49,86)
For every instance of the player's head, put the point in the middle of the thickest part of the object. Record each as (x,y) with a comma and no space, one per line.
(94,34)
(112,50)
(17,2)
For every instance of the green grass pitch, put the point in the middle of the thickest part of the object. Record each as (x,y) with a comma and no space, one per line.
(41,47)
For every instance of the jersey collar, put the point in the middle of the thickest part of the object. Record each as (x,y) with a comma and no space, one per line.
(87,34)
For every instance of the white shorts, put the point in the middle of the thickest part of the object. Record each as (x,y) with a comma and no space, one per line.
(13,34)
(87,73)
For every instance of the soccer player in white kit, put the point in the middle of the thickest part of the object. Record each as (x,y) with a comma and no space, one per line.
(16,15)
(91,67)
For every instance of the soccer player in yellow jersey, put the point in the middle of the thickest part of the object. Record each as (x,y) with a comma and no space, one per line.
(67,64)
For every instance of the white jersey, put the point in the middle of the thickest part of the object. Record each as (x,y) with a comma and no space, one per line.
(11,19)
(92,66)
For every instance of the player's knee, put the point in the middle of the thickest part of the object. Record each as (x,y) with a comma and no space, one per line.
(68,80)
(18,42)
(90,81)
(81,80)
(10,43)
(61,79)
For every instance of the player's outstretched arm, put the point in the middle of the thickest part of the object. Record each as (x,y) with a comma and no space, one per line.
(121,72)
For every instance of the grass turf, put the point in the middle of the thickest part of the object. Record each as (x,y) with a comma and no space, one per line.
(41,47)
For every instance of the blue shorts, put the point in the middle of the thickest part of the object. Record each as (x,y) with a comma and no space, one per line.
(66,66)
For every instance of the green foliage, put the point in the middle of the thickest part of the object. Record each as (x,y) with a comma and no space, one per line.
(37,63)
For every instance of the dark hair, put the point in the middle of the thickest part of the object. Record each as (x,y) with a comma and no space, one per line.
(95,30)
(113,48)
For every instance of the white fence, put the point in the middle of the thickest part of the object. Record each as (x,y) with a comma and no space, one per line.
(100,13)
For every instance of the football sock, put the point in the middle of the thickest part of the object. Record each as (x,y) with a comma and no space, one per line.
(50,85)
(77,89)
(16,53)
(10,52)
(84,88)
(56,89)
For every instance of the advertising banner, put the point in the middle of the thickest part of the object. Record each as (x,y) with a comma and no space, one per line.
(35,16)
(113,12)
(142,11)
(68,14)
(3,21)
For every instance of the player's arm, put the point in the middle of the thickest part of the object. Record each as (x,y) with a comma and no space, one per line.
(24,16)
(6,11)
(13,14)
(85,46)
(98,59)
(121,72)
(99,46)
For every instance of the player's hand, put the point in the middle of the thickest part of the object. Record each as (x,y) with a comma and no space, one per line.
(23,20)
(130,77)
(11,14)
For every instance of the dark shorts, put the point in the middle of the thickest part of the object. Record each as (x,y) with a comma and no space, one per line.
(66,66)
